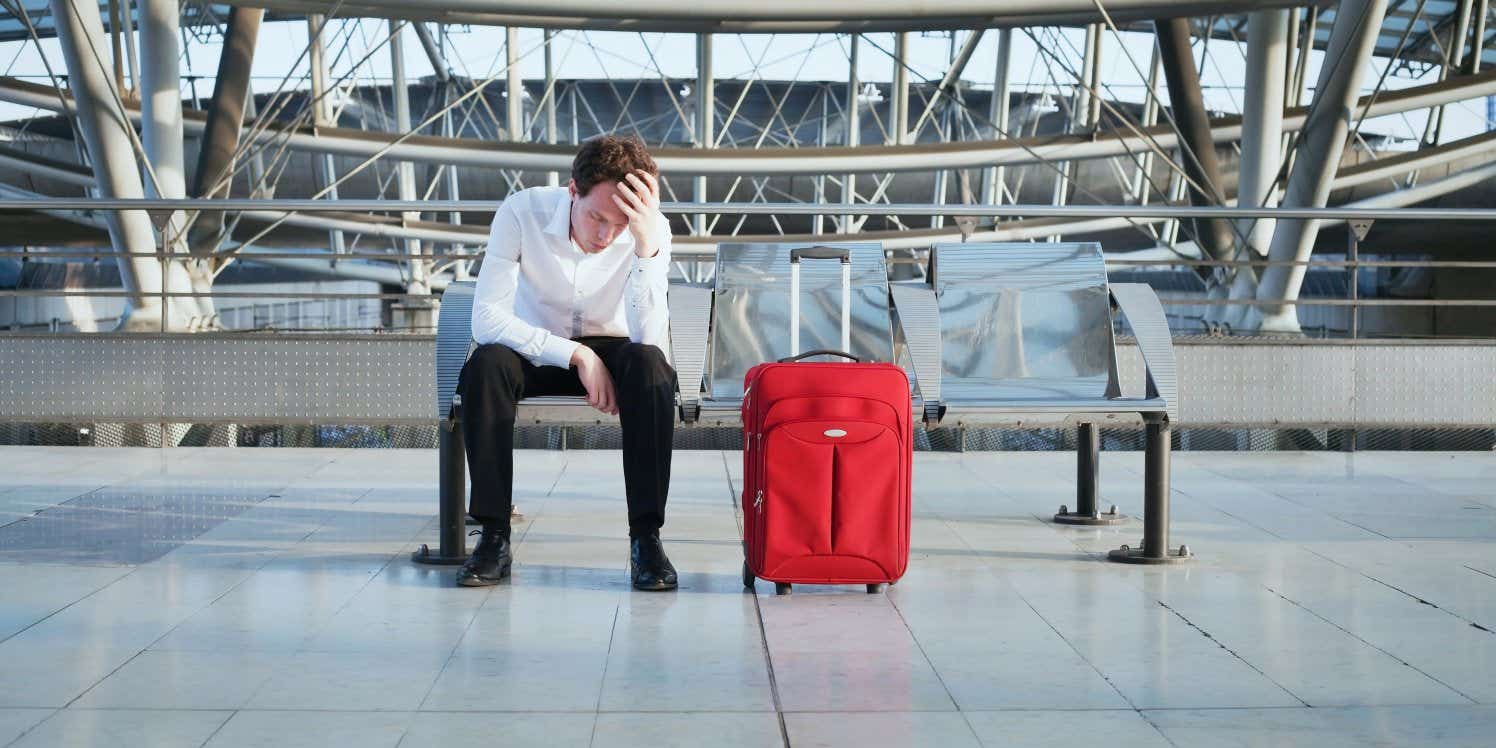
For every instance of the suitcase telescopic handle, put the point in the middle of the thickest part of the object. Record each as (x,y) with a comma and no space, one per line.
(821,253)
(820,352)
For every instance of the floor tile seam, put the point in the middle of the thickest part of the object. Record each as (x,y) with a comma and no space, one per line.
(1231,651)
(1397,589)
(204,607)
(1210,503)
(45,618)
(1322,708)
(763,634)
(1030,605)
(565,463)
(922,653)
(31,729)
(1156,728)
(1358,638)
(1310,549)
(758,612)
(602,682)
(55,504)
(1482,572)
(218,729)
(487,595)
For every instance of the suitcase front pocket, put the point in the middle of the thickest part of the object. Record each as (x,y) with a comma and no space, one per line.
(831,487)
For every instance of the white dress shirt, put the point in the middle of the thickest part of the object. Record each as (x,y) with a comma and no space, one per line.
(537,290)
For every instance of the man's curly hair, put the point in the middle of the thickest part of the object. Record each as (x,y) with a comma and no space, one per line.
(609,158)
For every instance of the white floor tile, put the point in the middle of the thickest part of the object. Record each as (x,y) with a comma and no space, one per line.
(1119,728)
(256,729)
(109,727)
(686,730)
(870,729)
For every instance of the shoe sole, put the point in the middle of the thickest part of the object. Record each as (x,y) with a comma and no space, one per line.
(662,587)
(481,582)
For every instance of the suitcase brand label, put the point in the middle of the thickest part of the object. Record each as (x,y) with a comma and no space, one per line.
(834,433)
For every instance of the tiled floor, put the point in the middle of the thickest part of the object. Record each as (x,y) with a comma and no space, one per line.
(265,597)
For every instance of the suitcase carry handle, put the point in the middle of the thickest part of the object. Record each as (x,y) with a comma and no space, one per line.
(820,352)
(821,253)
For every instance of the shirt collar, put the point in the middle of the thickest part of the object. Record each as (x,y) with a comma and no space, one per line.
(560,224)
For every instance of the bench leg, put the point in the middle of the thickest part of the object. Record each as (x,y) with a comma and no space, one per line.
(452,484)
(1155,548)
(1087,483)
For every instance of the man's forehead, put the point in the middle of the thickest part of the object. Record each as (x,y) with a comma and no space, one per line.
(600,199)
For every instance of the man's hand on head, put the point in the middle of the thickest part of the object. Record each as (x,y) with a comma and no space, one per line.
(638,196)
(596,379)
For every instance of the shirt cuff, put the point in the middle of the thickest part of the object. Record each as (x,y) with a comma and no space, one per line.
(557,351)
(645,264)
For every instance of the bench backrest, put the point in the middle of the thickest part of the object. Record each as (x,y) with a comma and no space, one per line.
(454,337)
(1023,320)
(751,322)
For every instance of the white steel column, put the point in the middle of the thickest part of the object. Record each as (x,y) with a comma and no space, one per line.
(551,178)
(323,168)
(1261,140)
(705,119)
(1320,146)
(161,136)
(1082,105)
(818,221)
(854,128)
(899,107)
(997,114)
(1140,178)
(514,88)
(416,312)
(80,33)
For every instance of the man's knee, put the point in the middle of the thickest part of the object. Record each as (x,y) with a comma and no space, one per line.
(494,362)
(641,364)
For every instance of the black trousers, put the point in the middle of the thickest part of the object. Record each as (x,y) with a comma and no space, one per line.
(495,378)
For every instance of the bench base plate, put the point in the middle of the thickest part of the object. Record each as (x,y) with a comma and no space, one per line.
(1129,555)
(1065,517)
(425,555)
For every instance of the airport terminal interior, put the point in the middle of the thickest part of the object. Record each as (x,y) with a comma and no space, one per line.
(1196,303)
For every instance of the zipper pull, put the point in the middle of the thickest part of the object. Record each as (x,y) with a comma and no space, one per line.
(758,501)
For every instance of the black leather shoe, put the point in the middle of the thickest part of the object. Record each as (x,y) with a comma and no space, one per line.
(649,565)
(489,563)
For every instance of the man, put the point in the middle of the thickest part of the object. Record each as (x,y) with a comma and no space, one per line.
(571,301)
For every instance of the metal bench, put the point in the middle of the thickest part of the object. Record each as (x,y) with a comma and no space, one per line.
(1001,334)
(1020,334)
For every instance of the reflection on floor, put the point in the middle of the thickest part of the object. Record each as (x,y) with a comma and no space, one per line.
(236,597)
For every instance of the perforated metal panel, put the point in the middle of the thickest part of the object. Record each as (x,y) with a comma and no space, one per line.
(207,378)
(391,379)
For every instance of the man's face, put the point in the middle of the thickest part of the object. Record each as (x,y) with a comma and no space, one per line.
(595,219)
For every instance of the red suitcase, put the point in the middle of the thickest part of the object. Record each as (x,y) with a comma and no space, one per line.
(827,458)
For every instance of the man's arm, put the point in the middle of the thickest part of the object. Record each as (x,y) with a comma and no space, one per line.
(493,303)
(647,314)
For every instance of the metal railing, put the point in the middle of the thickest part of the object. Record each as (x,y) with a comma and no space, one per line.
(699,249)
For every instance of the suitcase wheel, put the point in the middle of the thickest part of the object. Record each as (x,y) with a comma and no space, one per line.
(783,588)
(874,589)
(748,578)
